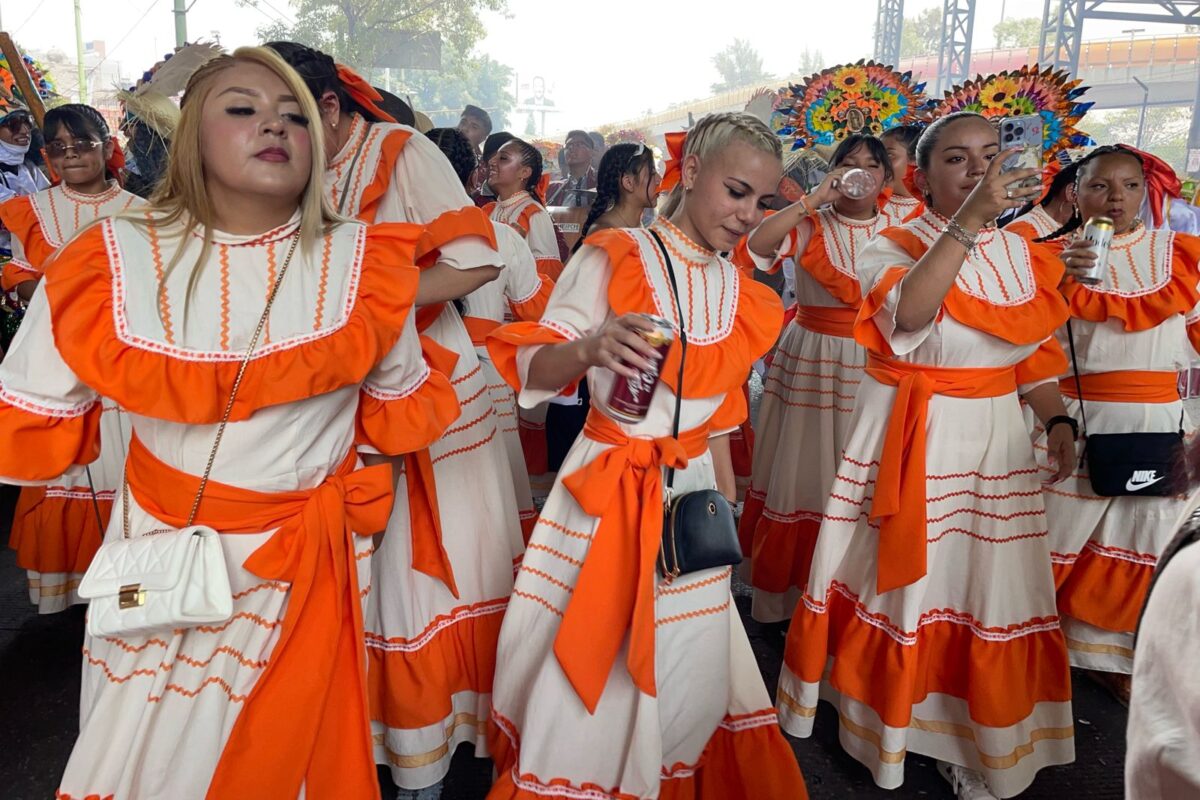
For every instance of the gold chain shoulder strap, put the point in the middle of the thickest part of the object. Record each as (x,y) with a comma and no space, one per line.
(237,382)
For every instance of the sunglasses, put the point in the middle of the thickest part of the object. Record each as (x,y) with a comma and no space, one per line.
(57,149)
(17,122)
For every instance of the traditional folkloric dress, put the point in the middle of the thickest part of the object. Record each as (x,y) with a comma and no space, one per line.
(431,642)
(612,683)
(929,618)
(272,702)
(57,528)
(1131,339)
(519,293)
(1037,224)
(899,209)
(527,216)
(808,396)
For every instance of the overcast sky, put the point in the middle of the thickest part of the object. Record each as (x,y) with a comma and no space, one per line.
(625,57)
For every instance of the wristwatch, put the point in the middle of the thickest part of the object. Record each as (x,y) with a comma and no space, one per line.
(1063,419)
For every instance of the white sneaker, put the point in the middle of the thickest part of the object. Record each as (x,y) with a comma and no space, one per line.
(967,783)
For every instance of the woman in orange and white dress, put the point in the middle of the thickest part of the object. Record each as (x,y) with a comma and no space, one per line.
(929,619)
(809,389)
(1134,331)
(1054,208)
(156,310)
(902,203)
(431,636)
(515,175)
(57,528)
(610,681)
(519,293)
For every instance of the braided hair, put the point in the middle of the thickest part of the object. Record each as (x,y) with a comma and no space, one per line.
(1076,221)
(81,121)
(530,157)
(619,161)
(320,74)
(712,134)
(457,149)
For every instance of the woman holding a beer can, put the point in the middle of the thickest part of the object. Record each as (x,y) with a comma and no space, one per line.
(612,680)
(929,616)
(1133,297)
(808,393)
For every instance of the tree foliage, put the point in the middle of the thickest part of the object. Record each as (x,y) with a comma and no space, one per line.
(475,79)
(357,32)
(921,35)
(739,65)
(1165,134)
(1018,32)
(810,61)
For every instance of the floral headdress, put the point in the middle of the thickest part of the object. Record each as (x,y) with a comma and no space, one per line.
(866,97)
(1053,95)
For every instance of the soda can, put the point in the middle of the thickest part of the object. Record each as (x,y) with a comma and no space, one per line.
(629,399)
(856,184)
(1099,234)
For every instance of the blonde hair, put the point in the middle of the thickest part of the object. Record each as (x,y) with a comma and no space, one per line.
(712,134)
(182,195)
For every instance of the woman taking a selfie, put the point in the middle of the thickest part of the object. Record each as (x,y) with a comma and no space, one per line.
(931,597)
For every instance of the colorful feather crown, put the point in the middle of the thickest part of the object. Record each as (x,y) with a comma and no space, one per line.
(866,97)
(1051,95)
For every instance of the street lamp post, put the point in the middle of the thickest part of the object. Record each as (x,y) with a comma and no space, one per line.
(1142,116)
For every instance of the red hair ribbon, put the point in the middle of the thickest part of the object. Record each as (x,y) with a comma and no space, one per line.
(673,173)
(1048,175)
(543,185)
(363,93)
(1161,182)
(116,162)
(910,181)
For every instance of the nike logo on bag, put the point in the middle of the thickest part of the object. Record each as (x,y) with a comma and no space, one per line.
(1141,479)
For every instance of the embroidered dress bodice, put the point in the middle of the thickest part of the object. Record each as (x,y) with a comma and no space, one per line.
(61,211)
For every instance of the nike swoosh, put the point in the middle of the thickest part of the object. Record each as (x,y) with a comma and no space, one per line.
(1132,486)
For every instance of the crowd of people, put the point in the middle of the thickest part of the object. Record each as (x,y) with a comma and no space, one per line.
(372,369)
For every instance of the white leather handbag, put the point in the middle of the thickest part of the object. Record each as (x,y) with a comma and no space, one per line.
(168,578)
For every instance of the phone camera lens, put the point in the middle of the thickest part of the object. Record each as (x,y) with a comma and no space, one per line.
(1020,132)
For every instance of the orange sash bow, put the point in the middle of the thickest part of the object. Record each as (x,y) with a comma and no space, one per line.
(363,93)
(479,328)
(831,321)
(1124,386)
(615,590)
(673,170)
(900,484)
(306,721)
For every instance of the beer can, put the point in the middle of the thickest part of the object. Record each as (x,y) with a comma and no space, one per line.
(1099,234)
(629,399)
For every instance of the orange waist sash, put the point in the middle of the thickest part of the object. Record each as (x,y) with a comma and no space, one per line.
(831,321)
(615,590)
(900,483)
(305,723)
(479,328)
(1124,386)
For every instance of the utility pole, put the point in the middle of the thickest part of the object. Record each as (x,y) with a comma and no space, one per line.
(83,98)
(180,23)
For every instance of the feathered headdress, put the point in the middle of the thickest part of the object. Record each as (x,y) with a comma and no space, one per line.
(1053,95)
(866,97)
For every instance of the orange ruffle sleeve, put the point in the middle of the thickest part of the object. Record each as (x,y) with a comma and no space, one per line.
(395,423)
(815,261)
(549,265)
(142,381)
(451,225)
(1026,323)
(531,308)
(42,446)
(732,412)
(18,216)
(866,332)
(1046,363)
(1179,295)
(711,369)
(504,342)
(14,273)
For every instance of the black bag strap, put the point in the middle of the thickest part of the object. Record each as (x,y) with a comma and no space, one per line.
(670,483)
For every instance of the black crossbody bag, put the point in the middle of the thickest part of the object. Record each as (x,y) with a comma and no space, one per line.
(698,528)
(1131,464)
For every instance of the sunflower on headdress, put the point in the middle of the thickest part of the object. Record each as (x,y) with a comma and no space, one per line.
(1051,94)
(831,105)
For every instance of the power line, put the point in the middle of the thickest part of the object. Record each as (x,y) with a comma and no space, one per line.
(283,17)
(36,9)
(278,20)
(128,33)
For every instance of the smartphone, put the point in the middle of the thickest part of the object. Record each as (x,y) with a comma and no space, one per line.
(1024,132)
